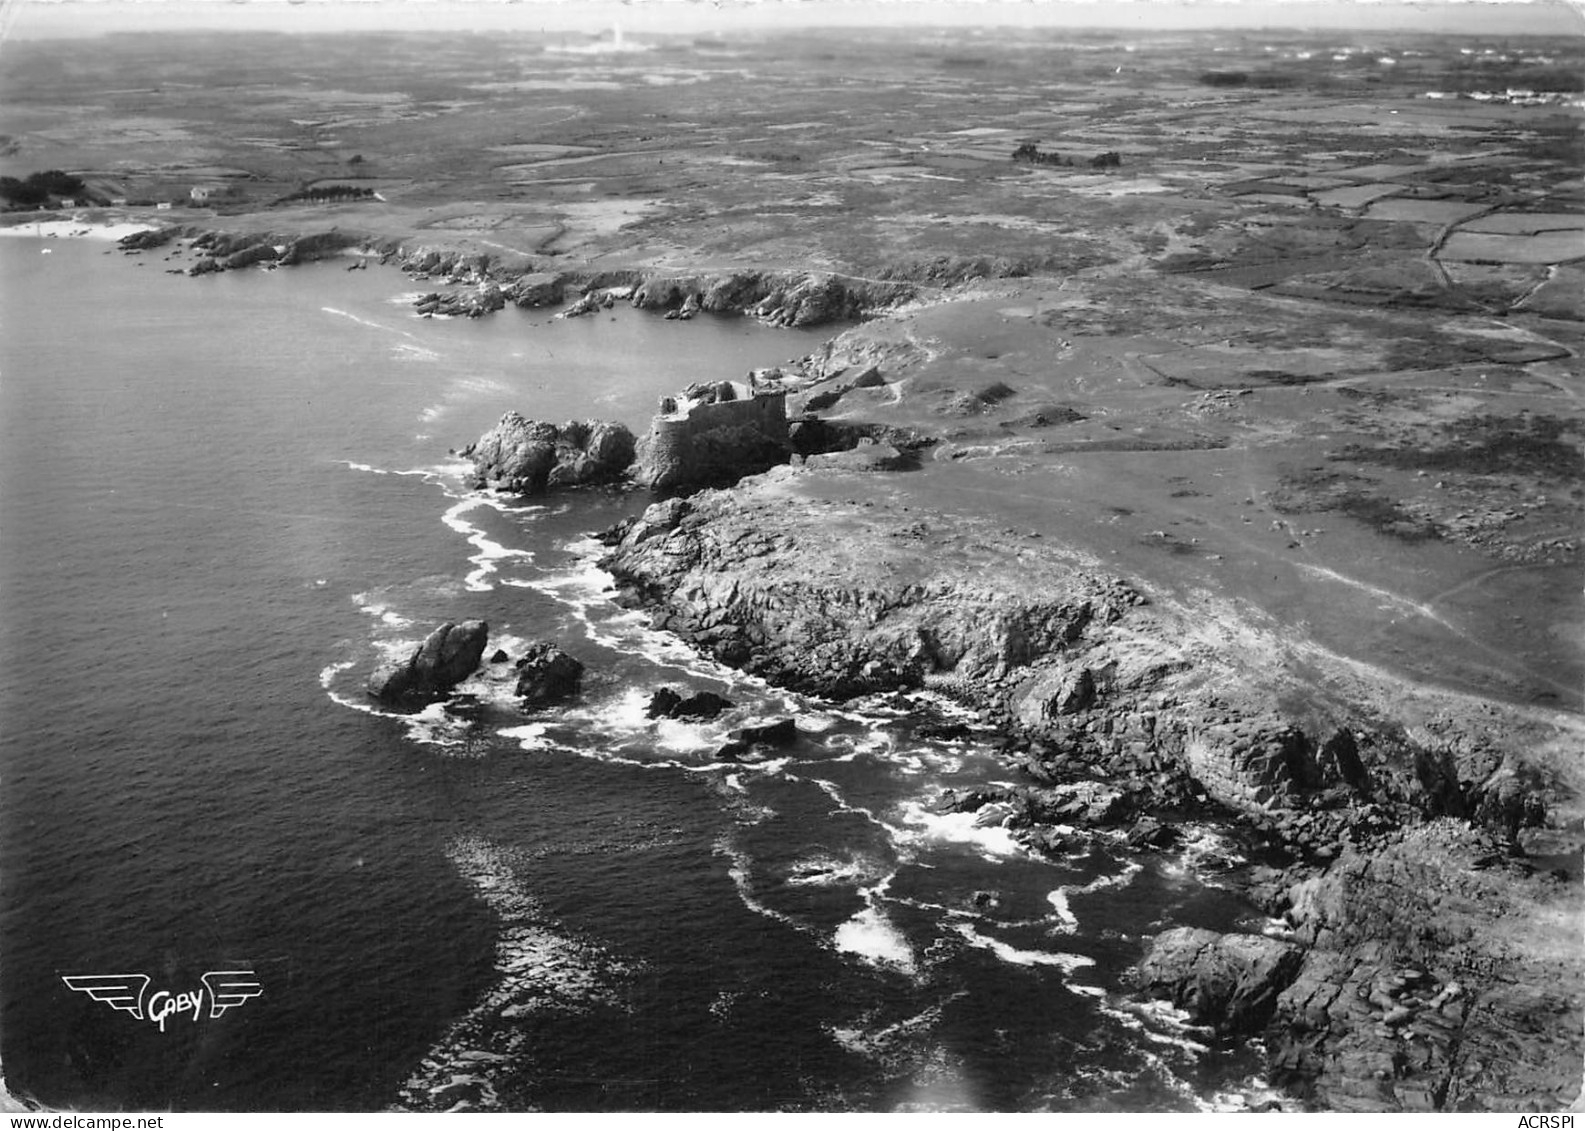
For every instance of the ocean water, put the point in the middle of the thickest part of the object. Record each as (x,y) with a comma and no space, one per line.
(222,500)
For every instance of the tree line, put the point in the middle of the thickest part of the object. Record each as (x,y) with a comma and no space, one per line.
(37,188)
(330,192)
(1034,156)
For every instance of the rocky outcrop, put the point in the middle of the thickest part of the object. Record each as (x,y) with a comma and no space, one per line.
(447,656)
(531,456)
(867,377)
(150,238)
(1423,975)
(228,251)
(840,599)
(591,302)
(867,456)
(547,675)
(537,289)
(781,299)
(472,302)
(316,245)
(1417,948)
(667,703)
(713,434)
(746,741)
(1229,982)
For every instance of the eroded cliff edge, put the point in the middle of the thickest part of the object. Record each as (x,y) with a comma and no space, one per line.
(1427,955)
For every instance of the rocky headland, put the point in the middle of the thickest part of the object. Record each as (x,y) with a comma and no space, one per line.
(1418,933)
(1414,845)
(477,283)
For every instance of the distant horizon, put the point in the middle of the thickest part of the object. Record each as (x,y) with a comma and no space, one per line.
(46,19)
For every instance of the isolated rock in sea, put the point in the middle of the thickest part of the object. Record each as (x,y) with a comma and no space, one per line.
(447,656)
(714,434)
(547,675)
(746,740)
(779,732)
(530,456)
(1230,982)
(667,703)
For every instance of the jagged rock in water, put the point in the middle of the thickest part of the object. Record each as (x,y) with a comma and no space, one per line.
(530,456)
(667,703)
(547,675)
(780,732)
(447,656)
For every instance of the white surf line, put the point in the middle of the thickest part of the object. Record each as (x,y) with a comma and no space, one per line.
(436,474)
(743,882)
(369,322)
(1067,922)
(490,551)
(541,968)
(424,728)
(1386,595)
(1019,957)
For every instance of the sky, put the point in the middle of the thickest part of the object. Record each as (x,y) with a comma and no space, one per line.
(45,18)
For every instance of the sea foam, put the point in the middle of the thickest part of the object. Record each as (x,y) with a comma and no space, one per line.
(1019,957)
(874,938)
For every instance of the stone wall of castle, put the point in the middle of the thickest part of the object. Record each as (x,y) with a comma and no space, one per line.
(709,438)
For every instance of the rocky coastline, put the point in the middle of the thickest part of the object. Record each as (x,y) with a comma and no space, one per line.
(1422,952)
(1392,844)
(479,283)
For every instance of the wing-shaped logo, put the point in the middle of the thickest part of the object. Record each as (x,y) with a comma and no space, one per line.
(229,988)
(118,991)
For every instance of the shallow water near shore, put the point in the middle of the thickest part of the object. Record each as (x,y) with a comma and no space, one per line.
(223,500)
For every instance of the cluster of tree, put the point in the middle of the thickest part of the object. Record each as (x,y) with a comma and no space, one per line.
(1270,80)
(330,192)
(39,187)
(774,155)
(1030,153)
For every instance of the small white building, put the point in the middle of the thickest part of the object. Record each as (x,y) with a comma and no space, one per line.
(163,206)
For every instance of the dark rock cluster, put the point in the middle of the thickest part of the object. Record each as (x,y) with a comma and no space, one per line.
(448,655)
(531,456)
